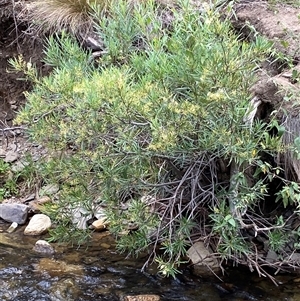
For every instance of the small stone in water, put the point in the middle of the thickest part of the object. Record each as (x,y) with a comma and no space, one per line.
(42,246)
(12,227)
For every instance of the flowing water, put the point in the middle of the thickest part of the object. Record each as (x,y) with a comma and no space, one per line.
(99,273)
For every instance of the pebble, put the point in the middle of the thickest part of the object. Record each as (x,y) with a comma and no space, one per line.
(12,227)
(42,246)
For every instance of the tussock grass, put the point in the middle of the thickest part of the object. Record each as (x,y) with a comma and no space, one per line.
(57,15)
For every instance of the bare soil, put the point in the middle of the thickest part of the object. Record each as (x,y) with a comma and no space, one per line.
(13,43)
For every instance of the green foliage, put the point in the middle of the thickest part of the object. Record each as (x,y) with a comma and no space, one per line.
(64,232)
(277,240)
(143,128)
(227,227)
(8,186)
(134,230)
(4,167)
(289,194)
(29,173)
(169,268)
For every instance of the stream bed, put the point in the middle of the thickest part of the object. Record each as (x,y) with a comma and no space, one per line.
(100,273)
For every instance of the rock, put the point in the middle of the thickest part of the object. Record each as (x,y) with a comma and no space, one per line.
(17,213)
(42,246)
(14,242)
(38,224)
(36,206)
(11,156)
(100,224)
(80,217)
(43,200)
(49,189)
(29,197)
(58,267)
(65,289)
(19,166)
(99,212)
(204,263)
(12,227)
(142,298)
(295,257)
(271,256)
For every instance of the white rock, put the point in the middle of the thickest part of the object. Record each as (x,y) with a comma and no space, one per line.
(39,224)
(12,227)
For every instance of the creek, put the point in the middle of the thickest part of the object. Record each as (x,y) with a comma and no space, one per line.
(98,272)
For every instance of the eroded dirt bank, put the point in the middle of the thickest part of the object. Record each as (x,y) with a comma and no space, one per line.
(14,42)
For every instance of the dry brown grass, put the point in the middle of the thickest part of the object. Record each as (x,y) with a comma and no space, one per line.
(57,15)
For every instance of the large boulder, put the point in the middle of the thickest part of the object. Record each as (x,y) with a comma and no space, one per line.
(14,213)
(39,224)
(204,263)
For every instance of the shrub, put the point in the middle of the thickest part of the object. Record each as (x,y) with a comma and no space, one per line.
(151,130)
